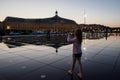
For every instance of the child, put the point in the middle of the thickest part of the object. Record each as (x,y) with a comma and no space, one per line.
(77,52)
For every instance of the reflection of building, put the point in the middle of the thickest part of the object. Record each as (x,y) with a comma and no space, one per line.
(52,24)
(56,40)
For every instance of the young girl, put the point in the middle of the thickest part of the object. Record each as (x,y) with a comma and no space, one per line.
(77,52)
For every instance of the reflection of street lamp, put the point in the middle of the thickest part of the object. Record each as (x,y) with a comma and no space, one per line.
(85,15)
(84,47)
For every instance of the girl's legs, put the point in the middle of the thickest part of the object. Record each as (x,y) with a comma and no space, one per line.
(80,67)
(73,65)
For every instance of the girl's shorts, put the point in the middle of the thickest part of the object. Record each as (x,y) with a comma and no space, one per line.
(78,55)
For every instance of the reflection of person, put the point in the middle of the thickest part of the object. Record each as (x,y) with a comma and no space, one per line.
(77,52)
(48,34)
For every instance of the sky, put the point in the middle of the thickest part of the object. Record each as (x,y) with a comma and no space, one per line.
(104,12)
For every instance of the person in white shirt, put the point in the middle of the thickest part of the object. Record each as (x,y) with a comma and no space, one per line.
(77,51)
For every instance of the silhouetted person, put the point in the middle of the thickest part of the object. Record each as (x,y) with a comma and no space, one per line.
(77,51)
(48,34)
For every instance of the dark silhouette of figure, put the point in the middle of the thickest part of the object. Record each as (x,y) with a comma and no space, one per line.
(73,77)
(56,50)
(0,38)
(48,35)
(1,34)
(106,33)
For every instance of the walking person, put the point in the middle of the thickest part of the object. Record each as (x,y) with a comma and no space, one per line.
(76,39)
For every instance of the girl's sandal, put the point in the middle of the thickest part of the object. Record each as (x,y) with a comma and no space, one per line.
(70,72)
(79,76)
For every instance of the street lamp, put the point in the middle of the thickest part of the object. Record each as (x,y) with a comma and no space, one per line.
(8,29)
(85,16)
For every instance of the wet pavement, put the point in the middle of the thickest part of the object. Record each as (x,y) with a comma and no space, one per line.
(100,61)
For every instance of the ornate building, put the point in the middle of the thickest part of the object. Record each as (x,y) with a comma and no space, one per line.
(52,24)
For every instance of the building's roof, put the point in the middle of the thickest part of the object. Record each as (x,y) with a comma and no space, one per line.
(55,18)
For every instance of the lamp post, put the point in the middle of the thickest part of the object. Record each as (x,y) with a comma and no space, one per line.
(84,47)
(8,29)
(85,15)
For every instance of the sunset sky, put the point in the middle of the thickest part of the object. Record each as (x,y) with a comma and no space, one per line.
(105,12)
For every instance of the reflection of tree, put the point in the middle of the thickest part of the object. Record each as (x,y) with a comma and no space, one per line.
(95,35)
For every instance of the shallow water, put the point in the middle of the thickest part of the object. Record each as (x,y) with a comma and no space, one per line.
(29,61)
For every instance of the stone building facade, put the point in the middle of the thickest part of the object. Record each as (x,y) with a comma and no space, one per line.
(52,24)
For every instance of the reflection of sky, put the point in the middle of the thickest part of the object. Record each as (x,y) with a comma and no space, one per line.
(104,12)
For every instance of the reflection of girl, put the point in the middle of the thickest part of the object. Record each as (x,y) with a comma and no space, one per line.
(77,52)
